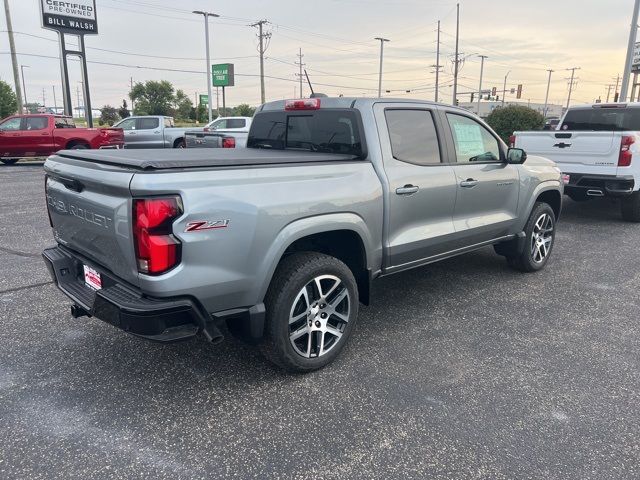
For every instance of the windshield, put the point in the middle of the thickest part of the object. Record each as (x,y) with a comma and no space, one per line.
(602,119)
(327,131)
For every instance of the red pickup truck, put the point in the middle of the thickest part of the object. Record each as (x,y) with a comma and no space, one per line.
(41,135)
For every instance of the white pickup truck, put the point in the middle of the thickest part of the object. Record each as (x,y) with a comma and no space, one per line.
(597,147)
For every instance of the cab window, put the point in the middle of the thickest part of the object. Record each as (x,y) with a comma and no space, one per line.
(472,141)
(128,124)
(35,123)
(11,124)
(413,136)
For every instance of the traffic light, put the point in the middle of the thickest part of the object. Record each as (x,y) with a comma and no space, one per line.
(519,94)
(494,91)
(615,97)
(472,97)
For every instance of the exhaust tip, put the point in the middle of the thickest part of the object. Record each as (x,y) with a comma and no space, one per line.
(77,312)
(213,334)
(595,193)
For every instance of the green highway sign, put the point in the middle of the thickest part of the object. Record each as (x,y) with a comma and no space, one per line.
(204,99)
(222,75)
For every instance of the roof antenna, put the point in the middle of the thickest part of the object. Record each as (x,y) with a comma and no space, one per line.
(313,94)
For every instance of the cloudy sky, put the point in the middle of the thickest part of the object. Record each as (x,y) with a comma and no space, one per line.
(161,39)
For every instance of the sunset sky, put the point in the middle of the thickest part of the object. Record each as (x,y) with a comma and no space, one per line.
(337,39)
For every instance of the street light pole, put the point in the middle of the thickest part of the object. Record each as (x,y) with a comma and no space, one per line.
(24,89)
(546,98)
(630,48)
(206,16)
(382,40)
(482,57)
(504,88)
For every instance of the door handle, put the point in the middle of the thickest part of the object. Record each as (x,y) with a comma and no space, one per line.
(407,190)
(469,183)
(132,133)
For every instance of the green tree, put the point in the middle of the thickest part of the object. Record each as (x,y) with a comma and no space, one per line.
(182,105)
(506,120)
(32,107)
(153,98)
(244,110)
(108,115)
(8,100)
(123,111)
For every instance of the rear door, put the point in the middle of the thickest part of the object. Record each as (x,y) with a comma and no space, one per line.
(422,189)
(487,187)
(149,133)
(9,133)
(91,208)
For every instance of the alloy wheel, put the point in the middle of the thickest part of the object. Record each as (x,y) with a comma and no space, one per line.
(542,238)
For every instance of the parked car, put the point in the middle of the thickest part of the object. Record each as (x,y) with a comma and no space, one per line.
(152,131)
(229,132)
(330,194)
(551,124)
(596,146)
(39,135)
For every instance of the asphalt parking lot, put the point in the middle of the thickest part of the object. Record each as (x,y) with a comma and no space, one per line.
(464,369)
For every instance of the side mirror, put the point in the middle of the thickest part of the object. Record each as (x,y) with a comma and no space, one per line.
(516,156)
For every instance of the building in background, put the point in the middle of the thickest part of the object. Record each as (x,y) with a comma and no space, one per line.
(487,107)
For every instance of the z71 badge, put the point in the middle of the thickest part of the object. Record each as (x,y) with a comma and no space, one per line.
(206,225)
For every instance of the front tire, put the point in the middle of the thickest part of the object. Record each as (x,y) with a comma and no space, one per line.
(630,207)
(312,307)
(80,146)
(540,232)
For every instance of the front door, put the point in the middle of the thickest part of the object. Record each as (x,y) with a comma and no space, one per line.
(9,133)
(422,189)
(488,187)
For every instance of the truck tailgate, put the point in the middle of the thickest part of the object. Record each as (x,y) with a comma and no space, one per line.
(90,209)
(574,152)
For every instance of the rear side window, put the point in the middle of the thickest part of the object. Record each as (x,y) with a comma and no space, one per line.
(413,136)
(327,131)
(36,123)
(148,123)
(602,119)
(236,123)
(167,123)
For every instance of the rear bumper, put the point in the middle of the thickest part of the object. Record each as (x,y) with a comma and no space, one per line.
(161,320)
(600,185)
(116,146)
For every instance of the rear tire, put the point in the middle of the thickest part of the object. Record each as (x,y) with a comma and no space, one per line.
(9,161)
(540,232)
(630,207)
(311,310)
(80,146)
(180,144)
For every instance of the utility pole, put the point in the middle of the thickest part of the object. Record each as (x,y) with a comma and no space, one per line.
(77,99)
(14,57)
(300,64)
(633,32)
(571,82)
(609,87)
(55,102)
(44,98)
(206,16)
(382,41)
(438,63)
(482,58)
(504,87)
(457,59)
(130,90)
(262,36)
(616,91)
(546,97)
(24,88)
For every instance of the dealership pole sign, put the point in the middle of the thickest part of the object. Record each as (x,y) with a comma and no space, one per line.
(73,17)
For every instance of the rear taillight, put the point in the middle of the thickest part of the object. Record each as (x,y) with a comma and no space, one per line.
(624,160)
(302,104)
(512,141)
(46,198)
(229,142)
(157,250)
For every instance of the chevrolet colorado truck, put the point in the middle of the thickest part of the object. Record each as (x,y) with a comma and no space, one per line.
(152,131)
(40,135)
(596,147)
(282,239)
(228,132)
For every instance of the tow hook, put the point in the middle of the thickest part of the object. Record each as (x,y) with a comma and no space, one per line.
(77,312)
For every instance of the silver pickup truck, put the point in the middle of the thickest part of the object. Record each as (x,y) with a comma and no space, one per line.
(152,131)
(228,132)
(281,240)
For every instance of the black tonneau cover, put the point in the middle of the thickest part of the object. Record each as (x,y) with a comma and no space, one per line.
(162,159)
